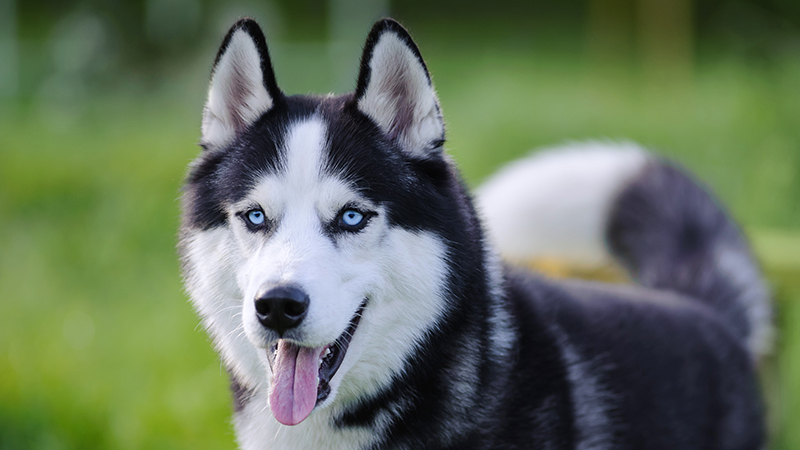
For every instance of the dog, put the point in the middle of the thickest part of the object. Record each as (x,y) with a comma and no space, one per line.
(343,272)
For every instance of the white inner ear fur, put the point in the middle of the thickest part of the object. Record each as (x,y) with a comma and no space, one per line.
(237,96)
(399,97)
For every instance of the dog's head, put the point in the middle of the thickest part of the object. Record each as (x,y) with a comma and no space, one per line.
(313,226)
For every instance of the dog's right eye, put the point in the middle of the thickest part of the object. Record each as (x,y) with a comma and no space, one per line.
(255,219)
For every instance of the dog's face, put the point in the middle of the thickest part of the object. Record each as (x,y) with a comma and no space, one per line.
(312,226)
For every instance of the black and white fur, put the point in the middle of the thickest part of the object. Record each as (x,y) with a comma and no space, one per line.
(449,348)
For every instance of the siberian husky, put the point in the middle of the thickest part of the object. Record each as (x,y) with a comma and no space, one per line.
(340,266)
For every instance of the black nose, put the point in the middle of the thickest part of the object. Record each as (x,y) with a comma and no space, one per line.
(281,308)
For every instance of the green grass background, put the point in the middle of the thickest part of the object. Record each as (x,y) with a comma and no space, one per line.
(99,347)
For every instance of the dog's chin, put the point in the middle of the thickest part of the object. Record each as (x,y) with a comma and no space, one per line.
(301,376)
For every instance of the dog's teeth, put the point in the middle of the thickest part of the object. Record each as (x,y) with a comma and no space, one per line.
(325,355)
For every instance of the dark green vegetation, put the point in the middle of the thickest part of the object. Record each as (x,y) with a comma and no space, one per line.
(99,347)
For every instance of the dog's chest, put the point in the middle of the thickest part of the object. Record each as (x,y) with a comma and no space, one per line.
(258,430)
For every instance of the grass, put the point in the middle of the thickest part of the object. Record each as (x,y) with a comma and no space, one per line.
(103,351)
(99,347)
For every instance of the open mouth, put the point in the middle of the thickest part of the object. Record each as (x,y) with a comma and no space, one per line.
(302,375)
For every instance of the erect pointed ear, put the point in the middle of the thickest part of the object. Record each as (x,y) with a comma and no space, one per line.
(394,89)
(242,85)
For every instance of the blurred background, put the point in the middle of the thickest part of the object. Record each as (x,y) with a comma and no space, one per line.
(100,105)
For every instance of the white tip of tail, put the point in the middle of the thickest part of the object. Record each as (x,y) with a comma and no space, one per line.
(554,204)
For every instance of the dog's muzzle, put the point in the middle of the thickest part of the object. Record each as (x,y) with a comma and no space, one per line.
(301,375)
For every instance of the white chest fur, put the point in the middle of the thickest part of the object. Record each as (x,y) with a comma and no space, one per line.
(258,430)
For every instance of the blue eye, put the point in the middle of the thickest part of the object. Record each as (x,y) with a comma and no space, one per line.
(256,217)
(352,218)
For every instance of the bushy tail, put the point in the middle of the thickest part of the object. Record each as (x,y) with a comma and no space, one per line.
(617,201)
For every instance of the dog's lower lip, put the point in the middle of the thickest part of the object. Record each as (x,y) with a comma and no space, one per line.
(273,349)
(330,362)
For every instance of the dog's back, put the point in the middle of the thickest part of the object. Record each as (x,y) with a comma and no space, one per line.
(669,363)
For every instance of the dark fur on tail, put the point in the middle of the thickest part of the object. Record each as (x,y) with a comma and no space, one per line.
(673,235)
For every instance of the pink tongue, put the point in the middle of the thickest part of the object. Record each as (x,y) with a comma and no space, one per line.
(293,393)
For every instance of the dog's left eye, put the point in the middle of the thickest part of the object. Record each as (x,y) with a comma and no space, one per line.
(351,219)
